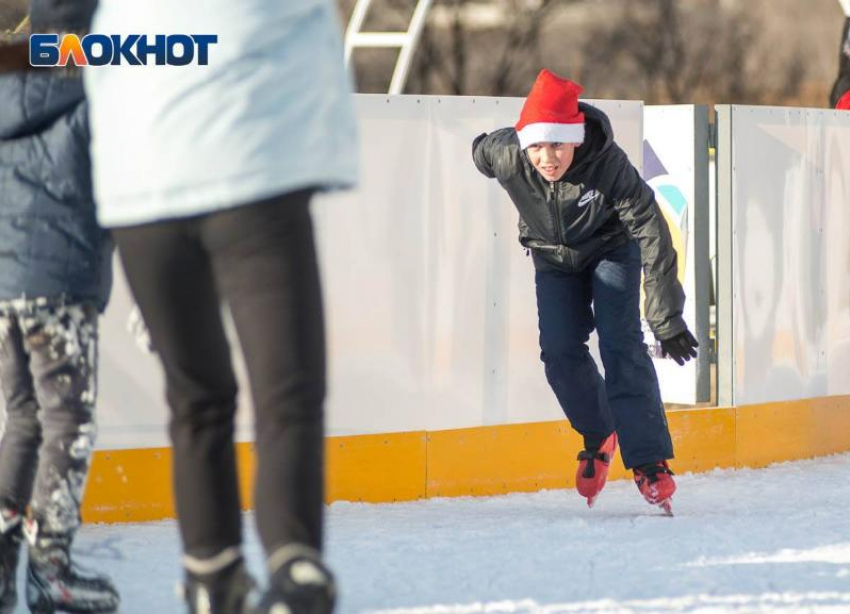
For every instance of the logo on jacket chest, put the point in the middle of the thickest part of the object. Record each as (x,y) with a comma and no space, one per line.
(587,198)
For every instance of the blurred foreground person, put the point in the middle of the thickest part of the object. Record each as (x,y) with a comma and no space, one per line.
(205,173)
(55,278)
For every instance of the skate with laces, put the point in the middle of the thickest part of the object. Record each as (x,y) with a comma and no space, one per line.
(593,466)
(655,482)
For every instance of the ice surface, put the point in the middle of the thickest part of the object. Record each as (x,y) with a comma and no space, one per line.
(770,541)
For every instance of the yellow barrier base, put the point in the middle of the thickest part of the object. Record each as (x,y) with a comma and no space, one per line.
(135,485)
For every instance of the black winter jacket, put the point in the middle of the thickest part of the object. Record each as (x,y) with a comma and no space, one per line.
(50,243)
(599,204)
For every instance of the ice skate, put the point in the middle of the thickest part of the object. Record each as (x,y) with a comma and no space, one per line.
(225,591)
(56,584)
(299,584)
(656,484)
(593,468)
(10,548)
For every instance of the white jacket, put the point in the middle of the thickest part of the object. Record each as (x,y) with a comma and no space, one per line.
(269,114)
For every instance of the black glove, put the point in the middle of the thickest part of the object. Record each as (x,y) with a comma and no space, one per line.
(680,348)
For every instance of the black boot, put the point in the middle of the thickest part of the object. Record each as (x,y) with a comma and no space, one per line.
(299,583)
(10,549)
(224,591)
(56,584)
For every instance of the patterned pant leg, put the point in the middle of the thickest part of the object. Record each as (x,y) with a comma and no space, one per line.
(22,433)
(62,343)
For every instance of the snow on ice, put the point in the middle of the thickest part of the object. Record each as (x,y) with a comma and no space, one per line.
(770,541)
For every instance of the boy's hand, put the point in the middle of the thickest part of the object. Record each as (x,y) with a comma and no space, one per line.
(680,348)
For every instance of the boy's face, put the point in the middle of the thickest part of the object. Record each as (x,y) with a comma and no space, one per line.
(551,160)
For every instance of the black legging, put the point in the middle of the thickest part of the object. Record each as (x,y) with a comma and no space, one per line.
(842,82)
(260,260)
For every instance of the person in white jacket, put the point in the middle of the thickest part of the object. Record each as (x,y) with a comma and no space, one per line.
(205,172)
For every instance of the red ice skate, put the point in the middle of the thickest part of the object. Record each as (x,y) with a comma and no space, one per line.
(593,469)
(656,484)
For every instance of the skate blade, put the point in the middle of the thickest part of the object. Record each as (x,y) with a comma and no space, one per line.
(667,506)
(591,501)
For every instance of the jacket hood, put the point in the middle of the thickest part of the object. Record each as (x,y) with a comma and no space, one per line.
(34,100)
(598,137)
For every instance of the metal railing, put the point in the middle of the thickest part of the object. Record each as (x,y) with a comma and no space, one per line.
(406,42)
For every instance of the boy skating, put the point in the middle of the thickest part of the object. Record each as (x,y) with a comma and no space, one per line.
(591,224)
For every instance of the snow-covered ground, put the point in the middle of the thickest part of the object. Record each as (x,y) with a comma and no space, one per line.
(771,541)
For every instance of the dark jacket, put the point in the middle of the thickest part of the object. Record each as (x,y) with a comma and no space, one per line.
(842,81)
(599,204)
(50,243)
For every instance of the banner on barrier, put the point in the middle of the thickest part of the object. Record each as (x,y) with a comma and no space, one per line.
(675,165)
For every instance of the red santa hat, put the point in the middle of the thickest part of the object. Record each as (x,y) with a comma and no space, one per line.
(550,113)
(844,102)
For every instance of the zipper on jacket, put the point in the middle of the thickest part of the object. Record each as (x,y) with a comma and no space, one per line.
(554,205)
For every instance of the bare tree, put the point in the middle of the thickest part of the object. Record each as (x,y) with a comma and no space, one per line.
(660,51)
(12,13)
(458,55)
(466,58)
(842,81)
(670,51)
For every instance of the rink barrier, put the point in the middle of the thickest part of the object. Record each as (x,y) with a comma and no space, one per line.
(135,485)
(783,330)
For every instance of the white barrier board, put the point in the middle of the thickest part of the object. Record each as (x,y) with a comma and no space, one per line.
(431,302)
(790,183)
(431,315)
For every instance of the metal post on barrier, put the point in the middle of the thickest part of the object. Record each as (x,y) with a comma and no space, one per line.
(725,252)
(702,268)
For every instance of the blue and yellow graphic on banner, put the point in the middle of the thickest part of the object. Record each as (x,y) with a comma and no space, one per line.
(672,201)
